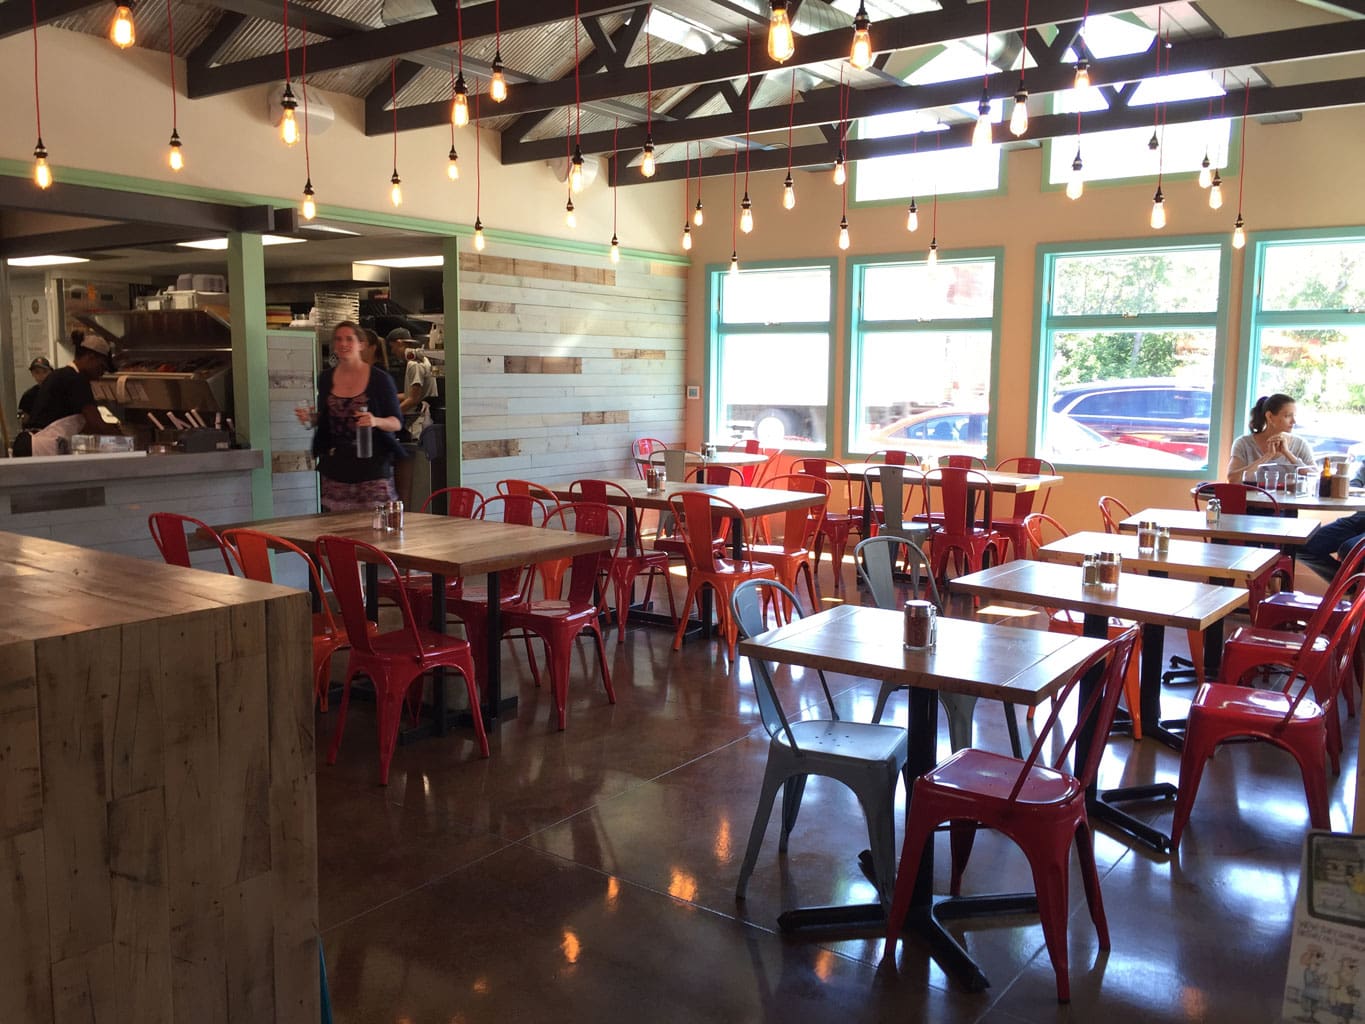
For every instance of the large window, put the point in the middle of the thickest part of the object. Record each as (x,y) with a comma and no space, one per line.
(1130,340)
(923,345)
(769,355)
(1308,336)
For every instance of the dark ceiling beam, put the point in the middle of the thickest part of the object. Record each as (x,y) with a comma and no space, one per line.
(1264,101)
(912,30)
(219,36)
(394,41)
(322,23)
(135,207)
(380,98)
(821,107)
(1346,8)
(112,236)
(16,16)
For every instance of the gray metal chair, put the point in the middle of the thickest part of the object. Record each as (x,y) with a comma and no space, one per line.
(893,524)
(876,560)
(865,758)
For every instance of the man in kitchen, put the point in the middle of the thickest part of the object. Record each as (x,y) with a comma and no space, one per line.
(65,405)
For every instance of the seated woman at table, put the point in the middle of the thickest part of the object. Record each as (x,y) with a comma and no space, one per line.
(1271,441)
(353,396)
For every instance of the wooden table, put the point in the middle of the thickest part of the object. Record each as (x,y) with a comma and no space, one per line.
(1186,559)
(721,458)
(1022,666)
(446,547)
(1287,532)
(1291,505)
(1001,483)
(1154,602)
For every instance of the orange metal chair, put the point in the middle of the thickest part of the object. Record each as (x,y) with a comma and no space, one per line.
(560,622)
(1041,808)
(837,525)
(1012,525)
(800,532)
(958,535)
(695,512)
(394,661)
(1293,722)
(1113,512)
(170,533)
(749,447)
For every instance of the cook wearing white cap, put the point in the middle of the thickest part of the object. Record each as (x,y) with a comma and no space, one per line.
(65,405)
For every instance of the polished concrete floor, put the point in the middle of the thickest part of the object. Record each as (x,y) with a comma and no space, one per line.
(588,875)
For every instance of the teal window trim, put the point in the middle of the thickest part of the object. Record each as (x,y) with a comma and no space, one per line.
(715,273)
(857,269)
(1045,259)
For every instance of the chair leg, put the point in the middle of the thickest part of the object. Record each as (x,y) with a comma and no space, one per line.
(596,634)
(1132,683)
(621,589)
(771,784)
(879,808)
(958,708)
(341,716)
(693,592)
(961,838)
(475,713)
(561,661)
(1085,852)
(918,831)
(792,791)
(882,697)
(1198,749)
(1312,764)
(1012,727)
(1050,881)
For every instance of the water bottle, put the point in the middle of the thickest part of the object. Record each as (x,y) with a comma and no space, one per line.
(364,439)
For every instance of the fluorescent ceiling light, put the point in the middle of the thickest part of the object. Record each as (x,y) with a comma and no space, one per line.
(219,244)
(44,261)
(327,229)
(406,261)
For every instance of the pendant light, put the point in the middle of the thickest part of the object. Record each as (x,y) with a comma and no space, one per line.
(479,242)
(570,215)
(981,134)
(933,252)
(174,157)
(781,43)
(121,32)
(843,218)
(576,162)
(734,238)
(687,237)
(1239,235)
(698,214)
(860,54)
(309,207)
(459,106)
(788,193)
(1216,192)
(687,187)
(1205,171)
(1019,115)
(1082,80)
(614,251)
(932,259)
(453,158)
(734,263)
(1075,182)
(396,191)
(1158,218)
(42,174)
(497,85)
(647,167)
(289,128)
(746,217)
(1158,210)
(912,217)
(788,186)
(840,170)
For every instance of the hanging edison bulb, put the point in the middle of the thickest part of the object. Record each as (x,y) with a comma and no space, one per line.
(1075,181)
(843,232)
(576,169)
(1239,235)
(615,253)
(1205,171)
(453,165)
(497,84)
(647,167)
(459,109)
(1082,79)
(570,215)
(309,207)
(781,42)
(479,242)
(289,127)
(42,173)
(840,171)
(1019,115)
(788,194)
(698,218)
(912,217)
(1158,210)
(396,192)
(687,236)
(981,134)
(933,251)
(121,32)
(860,54)
(1216,192)
(734,262)
(175,158)
(746,214)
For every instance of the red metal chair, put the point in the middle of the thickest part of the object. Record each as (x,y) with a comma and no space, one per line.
(1293,722)
(252,550)
(877,515)
(963,462)
(749,447)
(170,533)
(722,476)
(1040,529)
(560,622)
(695,512)
(1234,500)
(1042,809)
(893,457)
(551,572)
(837,525)
(958,535)
(1113,512)
(800,532)
(460,504)
(632,560)
(394,661)
(641,449)
(1012,525)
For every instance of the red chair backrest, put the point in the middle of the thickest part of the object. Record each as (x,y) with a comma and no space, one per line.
(587,517)
(1113,511)
(1329,662)
(460,501)
(169,533)
(1027,465)
(691,508)
(1233,496)
(527,488)
(342,557)
(958,512)
(724,476)
(1037,526)
(644,447)
(608,492)
(889,456)
(962,462)
(800,526)
(252,549)
(518,509)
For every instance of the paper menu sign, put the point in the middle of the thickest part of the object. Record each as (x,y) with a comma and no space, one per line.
(1325,982)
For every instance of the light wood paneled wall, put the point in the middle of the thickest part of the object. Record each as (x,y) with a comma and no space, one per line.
(566,359)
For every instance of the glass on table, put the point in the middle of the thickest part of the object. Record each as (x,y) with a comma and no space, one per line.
(1268,477)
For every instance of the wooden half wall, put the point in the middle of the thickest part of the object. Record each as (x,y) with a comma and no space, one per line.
(565,360)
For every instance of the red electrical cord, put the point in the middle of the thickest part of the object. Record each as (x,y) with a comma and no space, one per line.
(459,34)
(286,41)
(986,48)
(791,118)
(748,96)
(734,204)
(393,80)
(1023,57)
(649,78)
(577,92)
(1242,166)
(452,100)
(687,178)
(37,108)
(170,36)
(616,175)
(303,82)
(478,169)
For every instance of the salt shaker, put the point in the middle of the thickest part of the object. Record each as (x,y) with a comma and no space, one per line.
(381,517)
(1213,512)
(1090,571)
(1163,540)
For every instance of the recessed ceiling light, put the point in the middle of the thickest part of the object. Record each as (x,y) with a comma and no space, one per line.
(219,244)
(327,229)
(406,261)
(44,261)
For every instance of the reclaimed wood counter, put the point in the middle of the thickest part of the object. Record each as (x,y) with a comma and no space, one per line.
(158,834)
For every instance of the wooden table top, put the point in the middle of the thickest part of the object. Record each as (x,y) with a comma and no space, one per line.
(1024,666)
(721,458)
(752,501)
(1353,502)
(1186,559)
(1178,604)
(441,544)
(1001,483)
(1191,523)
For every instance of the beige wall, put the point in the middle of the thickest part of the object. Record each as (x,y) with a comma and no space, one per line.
(109,110)
(1298,177)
